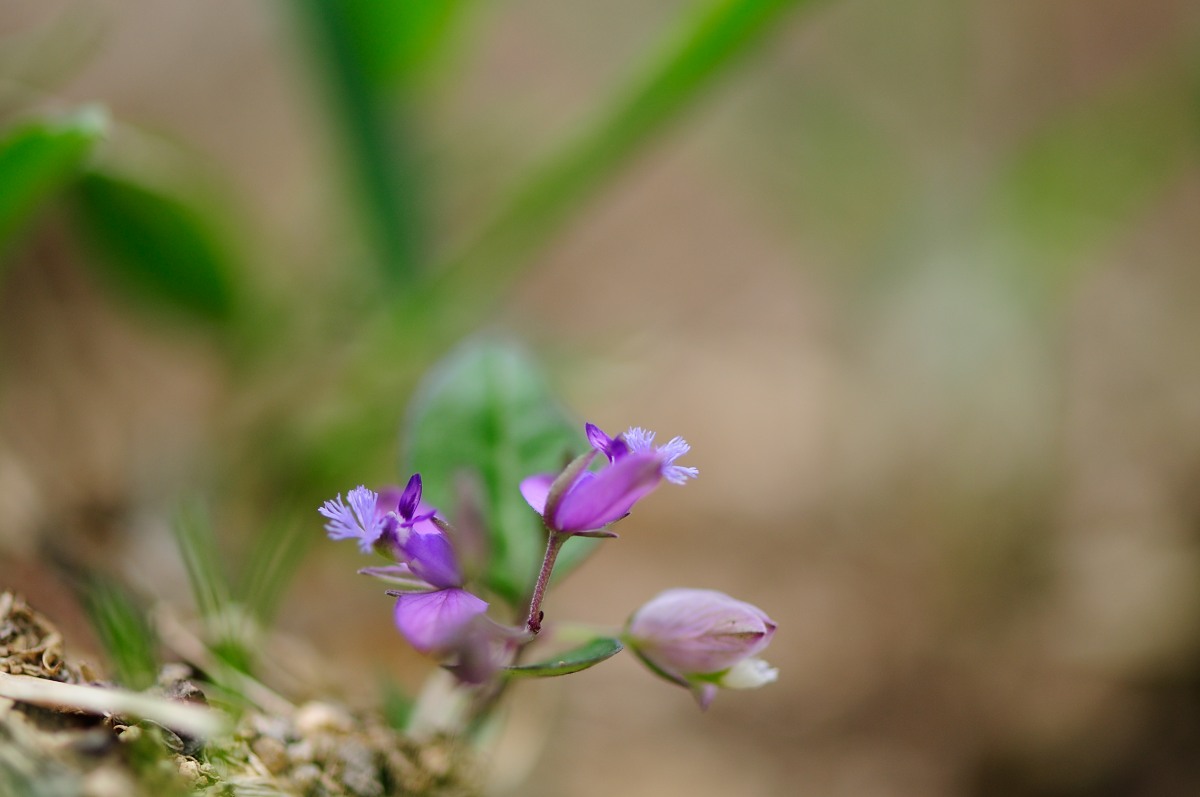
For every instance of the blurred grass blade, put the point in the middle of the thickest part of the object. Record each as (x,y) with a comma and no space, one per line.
(37,159)
(687,67)
(377,148)
(124,632)
(398,42)
(156,247)
(227,627)
(201,555)
(1084,177)
(272,563)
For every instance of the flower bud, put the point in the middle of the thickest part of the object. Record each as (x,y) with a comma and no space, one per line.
(703,639)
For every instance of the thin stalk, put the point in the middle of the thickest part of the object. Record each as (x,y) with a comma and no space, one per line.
(553,543)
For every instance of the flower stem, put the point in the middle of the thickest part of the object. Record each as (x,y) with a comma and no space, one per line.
(553,544)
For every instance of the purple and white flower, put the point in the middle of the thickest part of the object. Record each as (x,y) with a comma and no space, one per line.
(581,501)
(703,640)
(433,611)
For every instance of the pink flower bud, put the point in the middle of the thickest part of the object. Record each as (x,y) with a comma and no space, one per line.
(703,639)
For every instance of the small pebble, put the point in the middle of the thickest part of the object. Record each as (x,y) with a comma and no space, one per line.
(315,717)
(272,753)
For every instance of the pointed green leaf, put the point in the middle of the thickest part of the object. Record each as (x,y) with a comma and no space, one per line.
(486,410)
(587,655)
(38,159)
(156,246)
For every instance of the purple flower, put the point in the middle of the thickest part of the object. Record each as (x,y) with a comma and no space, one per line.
(580,501)
(703,639)
(433,611)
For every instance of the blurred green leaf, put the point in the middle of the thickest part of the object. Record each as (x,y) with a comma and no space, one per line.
(124,631)
(685,68)
(398,40)
(378,148)
(487,410)
(156,246)
(37,159)
(1083,178)
(587,655)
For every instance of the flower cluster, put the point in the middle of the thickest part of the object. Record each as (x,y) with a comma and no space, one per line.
(699,639)
(433,611)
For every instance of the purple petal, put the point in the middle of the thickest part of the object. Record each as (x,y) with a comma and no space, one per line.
(611,447)
(608,495)
(536,489)
(410,497)
(429,553)
(433,621)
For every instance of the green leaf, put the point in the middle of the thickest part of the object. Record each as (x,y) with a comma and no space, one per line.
(486,411)
(587,655)
(38,159)
(156,246)
(398,40)
(378,148)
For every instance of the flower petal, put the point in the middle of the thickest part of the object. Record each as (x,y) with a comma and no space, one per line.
(612,447)
(749,674)
(410,497)
(535,489)
(430,555)
(433,621)
(607,497)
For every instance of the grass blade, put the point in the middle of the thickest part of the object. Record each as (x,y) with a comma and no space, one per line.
(688,66)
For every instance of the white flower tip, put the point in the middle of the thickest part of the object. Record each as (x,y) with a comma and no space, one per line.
(749,674)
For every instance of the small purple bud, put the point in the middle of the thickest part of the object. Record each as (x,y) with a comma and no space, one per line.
(703,639)
(411,497)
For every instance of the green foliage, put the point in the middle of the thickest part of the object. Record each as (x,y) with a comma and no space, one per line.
(486,411)
(379,150)
(586,655)
(124,631)
(225,621)
(156,247)
(686,67)
(273,560)
(397,41)
(38,159)
(1086,174)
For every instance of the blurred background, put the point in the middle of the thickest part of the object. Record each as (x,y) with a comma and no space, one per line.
(917,279)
